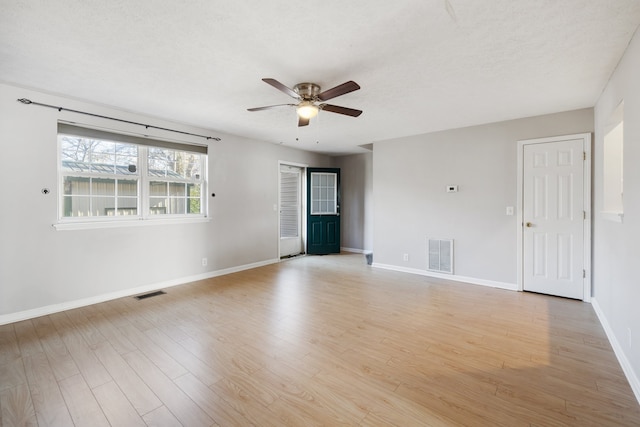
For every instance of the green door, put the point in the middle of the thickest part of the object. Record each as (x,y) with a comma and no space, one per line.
(323,211)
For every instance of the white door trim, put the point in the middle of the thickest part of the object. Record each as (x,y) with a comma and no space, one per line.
(303,183)
(586,137)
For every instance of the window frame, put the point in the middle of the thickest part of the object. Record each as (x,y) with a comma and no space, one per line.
(142,176)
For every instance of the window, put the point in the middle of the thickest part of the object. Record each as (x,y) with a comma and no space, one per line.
(109,177)
(324,193)
(613,166)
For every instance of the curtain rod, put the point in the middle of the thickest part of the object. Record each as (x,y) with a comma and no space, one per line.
(28,101)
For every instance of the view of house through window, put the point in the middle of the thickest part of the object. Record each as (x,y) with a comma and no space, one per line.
(105,177)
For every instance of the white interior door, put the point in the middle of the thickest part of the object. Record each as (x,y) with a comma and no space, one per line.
(290,210)
(553,214)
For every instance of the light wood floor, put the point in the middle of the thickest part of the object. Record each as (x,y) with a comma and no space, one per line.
(316,341)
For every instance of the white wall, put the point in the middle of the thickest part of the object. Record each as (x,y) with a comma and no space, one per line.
(410,176)
(356,209)
(41,268)
(616,282)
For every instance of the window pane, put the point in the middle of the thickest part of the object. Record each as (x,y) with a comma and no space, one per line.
(76,186)
(157,188)
(127,206)
(157,206)
(158,161)
(323,193)
(129,150)
(103,157)
(75,149)
(193,206)
(127,187)
(177,189)
(76,206)
(194,190)
(193,166)
(126,159)
(103,187)
(102,206)
(177,205)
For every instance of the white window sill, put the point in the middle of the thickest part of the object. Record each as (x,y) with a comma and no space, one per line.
(612,216)
(89,225)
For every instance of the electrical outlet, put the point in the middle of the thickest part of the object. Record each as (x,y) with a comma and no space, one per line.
(405,257)
(204,262)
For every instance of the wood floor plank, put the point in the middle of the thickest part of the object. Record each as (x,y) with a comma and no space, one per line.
(184,409)
(190,362)
(60,360)
(116,407)
(84,409)
(9,349)
(215,406)
(16,407)
(154,352)
(139,394)
(49,405)
(111,333)
(93,371)
(27,338)
(89,332)
(161,417)
(12,374)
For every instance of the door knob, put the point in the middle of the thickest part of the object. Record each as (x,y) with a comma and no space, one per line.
(528,224)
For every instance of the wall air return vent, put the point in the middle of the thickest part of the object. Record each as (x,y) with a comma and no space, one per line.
(440,255)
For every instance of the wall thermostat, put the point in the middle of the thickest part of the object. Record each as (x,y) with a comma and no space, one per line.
(452,188)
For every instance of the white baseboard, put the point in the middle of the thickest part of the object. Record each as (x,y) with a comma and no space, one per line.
(633,379)
(454,277)
(56,308)
(353,250)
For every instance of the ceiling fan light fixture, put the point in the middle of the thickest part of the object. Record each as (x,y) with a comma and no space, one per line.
(307,110)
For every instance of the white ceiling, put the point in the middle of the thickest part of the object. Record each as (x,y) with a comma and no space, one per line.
(423,65)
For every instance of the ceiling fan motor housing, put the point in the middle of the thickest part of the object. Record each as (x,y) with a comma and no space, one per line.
(307,91)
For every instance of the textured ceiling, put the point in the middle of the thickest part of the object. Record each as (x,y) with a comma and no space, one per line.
(423,65)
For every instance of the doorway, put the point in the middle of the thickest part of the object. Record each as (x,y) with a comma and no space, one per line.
(290,210)
(554,228)
(323,211)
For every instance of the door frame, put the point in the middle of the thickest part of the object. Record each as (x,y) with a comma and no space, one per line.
(303,207)
(586,143)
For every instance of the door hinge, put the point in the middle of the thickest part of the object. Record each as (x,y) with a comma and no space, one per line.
(584,274)
(584,155)
(584,214)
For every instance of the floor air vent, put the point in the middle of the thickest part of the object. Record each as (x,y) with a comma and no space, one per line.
(149,295)
(440,255)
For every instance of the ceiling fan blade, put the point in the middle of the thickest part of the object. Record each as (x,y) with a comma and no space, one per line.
(340,110)
(281,87)
(342,89)
(302,121)
(268,107)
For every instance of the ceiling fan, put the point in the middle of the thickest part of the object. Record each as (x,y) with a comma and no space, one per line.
(309,95)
